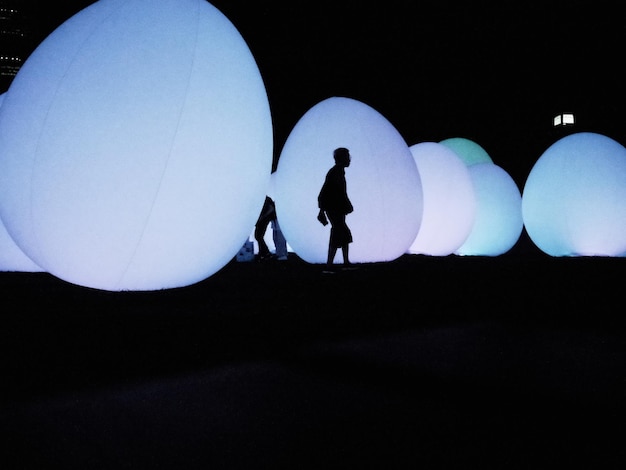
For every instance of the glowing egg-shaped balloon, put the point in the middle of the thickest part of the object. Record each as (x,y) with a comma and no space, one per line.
(383,182)
(12,258)
(468,150)
(574,199)
(498,222)
(449,201)
(136,146)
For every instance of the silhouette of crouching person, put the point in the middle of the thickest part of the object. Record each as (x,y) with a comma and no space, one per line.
(334,205)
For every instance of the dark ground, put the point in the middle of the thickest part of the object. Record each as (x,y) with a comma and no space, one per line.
(455,362)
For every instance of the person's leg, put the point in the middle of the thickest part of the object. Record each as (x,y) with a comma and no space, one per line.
(259,233)
(345,252)
(332,251)
(279,241)
(340,236)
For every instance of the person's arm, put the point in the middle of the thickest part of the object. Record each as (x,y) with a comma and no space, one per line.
(321,216)
(321,203)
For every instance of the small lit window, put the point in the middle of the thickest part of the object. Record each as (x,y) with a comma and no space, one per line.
(563,119)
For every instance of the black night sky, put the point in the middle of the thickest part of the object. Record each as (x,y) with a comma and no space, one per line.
(492,72)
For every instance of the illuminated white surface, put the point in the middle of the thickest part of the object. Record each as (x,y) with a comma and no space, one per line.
(136,146)
(449,201)
(12,258)
(467,150)
(383,182)
(574,199)
(498,223)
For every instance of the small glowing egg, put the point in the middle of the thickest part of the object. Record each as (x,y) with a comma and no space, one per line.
(468,150)
(449,201)
(498,222)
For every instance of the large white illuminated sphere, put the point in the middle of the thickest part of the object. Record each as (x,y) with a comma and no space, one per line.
(467,150)
(12,258)
(498,223)
(136,146)
(383,182)
(449,201)
(574,199)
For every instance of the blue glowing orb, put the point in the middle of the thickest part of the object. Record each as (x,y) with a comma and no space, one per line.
(498,223)
(383,182)
(574,199)
(136,146)
(449,201)
(12,258)
(467,150)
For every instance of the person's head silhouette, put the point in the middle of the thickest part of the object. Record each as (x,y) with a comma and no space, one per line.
(342,156)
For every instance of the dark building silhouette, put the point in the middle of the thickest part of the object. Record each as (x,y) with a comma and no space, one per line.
(16,38)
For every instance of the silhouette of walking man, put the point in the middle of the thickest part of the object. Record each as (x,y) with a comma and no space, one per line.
(334,205)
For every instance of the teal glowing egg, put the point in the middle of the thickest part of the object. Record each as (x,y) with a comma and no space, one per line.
(498,222)
(467,150)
